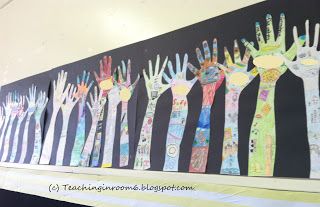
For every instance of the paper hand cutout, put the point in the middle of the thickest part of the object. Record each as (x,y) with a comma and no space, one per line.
(270,64)
(66,108)
(7,108)
(95,110)
(126,91)
(155,88)
(40,107)
(21,115)
(180,88)
(210,77)
(237,78)
(31,100)
(15,109)
(59,95)
(307,67)
(106,83)
(105,80)
(83,89)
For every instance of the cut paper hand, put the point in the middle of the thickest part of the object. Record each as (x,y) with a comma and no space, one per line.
(211,78)
(180,88)
(270,64)
(95,110)
(31,100)
(237,78)
(21,115)
(59,95)
(83,89)
(7,108)
(15,106)
(66,108)
(126,91)
(105,82)
(40,107)
(307,67)
(155,88)
(113,101)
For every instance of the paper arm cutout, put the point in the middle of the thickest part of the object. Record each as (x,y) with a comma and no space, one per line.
(31,100)
(210,78)
(2,117)
(21,115)
(40,107)
(270,65)
(105,82)
(307,67)
(155,88)
(8,109)
(59,95)
(113,101)
(180,88)
(126,91)
(14,112)
(95,110)
(83,89)
(237,78)
(66,108)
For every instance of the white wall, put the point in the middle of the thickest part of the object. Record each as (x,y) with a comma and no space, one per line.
(38,35)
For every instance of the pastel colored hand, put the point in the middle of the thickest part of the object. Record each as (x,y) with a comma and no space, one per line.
(307,64)
(124,81)
(154,84)
(105,80)
(31,100)
(209,71)
(96,106)
(83,87)
(269,58)
(15,105)
(180,86)
(70,101)
(40,104)
(237,76)
(59,93)
(21,112)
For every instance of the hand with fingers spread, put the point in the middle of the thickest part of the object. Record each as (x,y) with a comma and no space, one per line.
(66,108)
(155,88)
(180,88)
(106,84)
(95,109)
(270,65)
(21,115)
(83,89)
(307,67)
(105,80)
(15,104)
(237,78)
(31,100)
(59,95)
(269,58)
(7,108)
(41,104)
(211,78)
(126,91)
